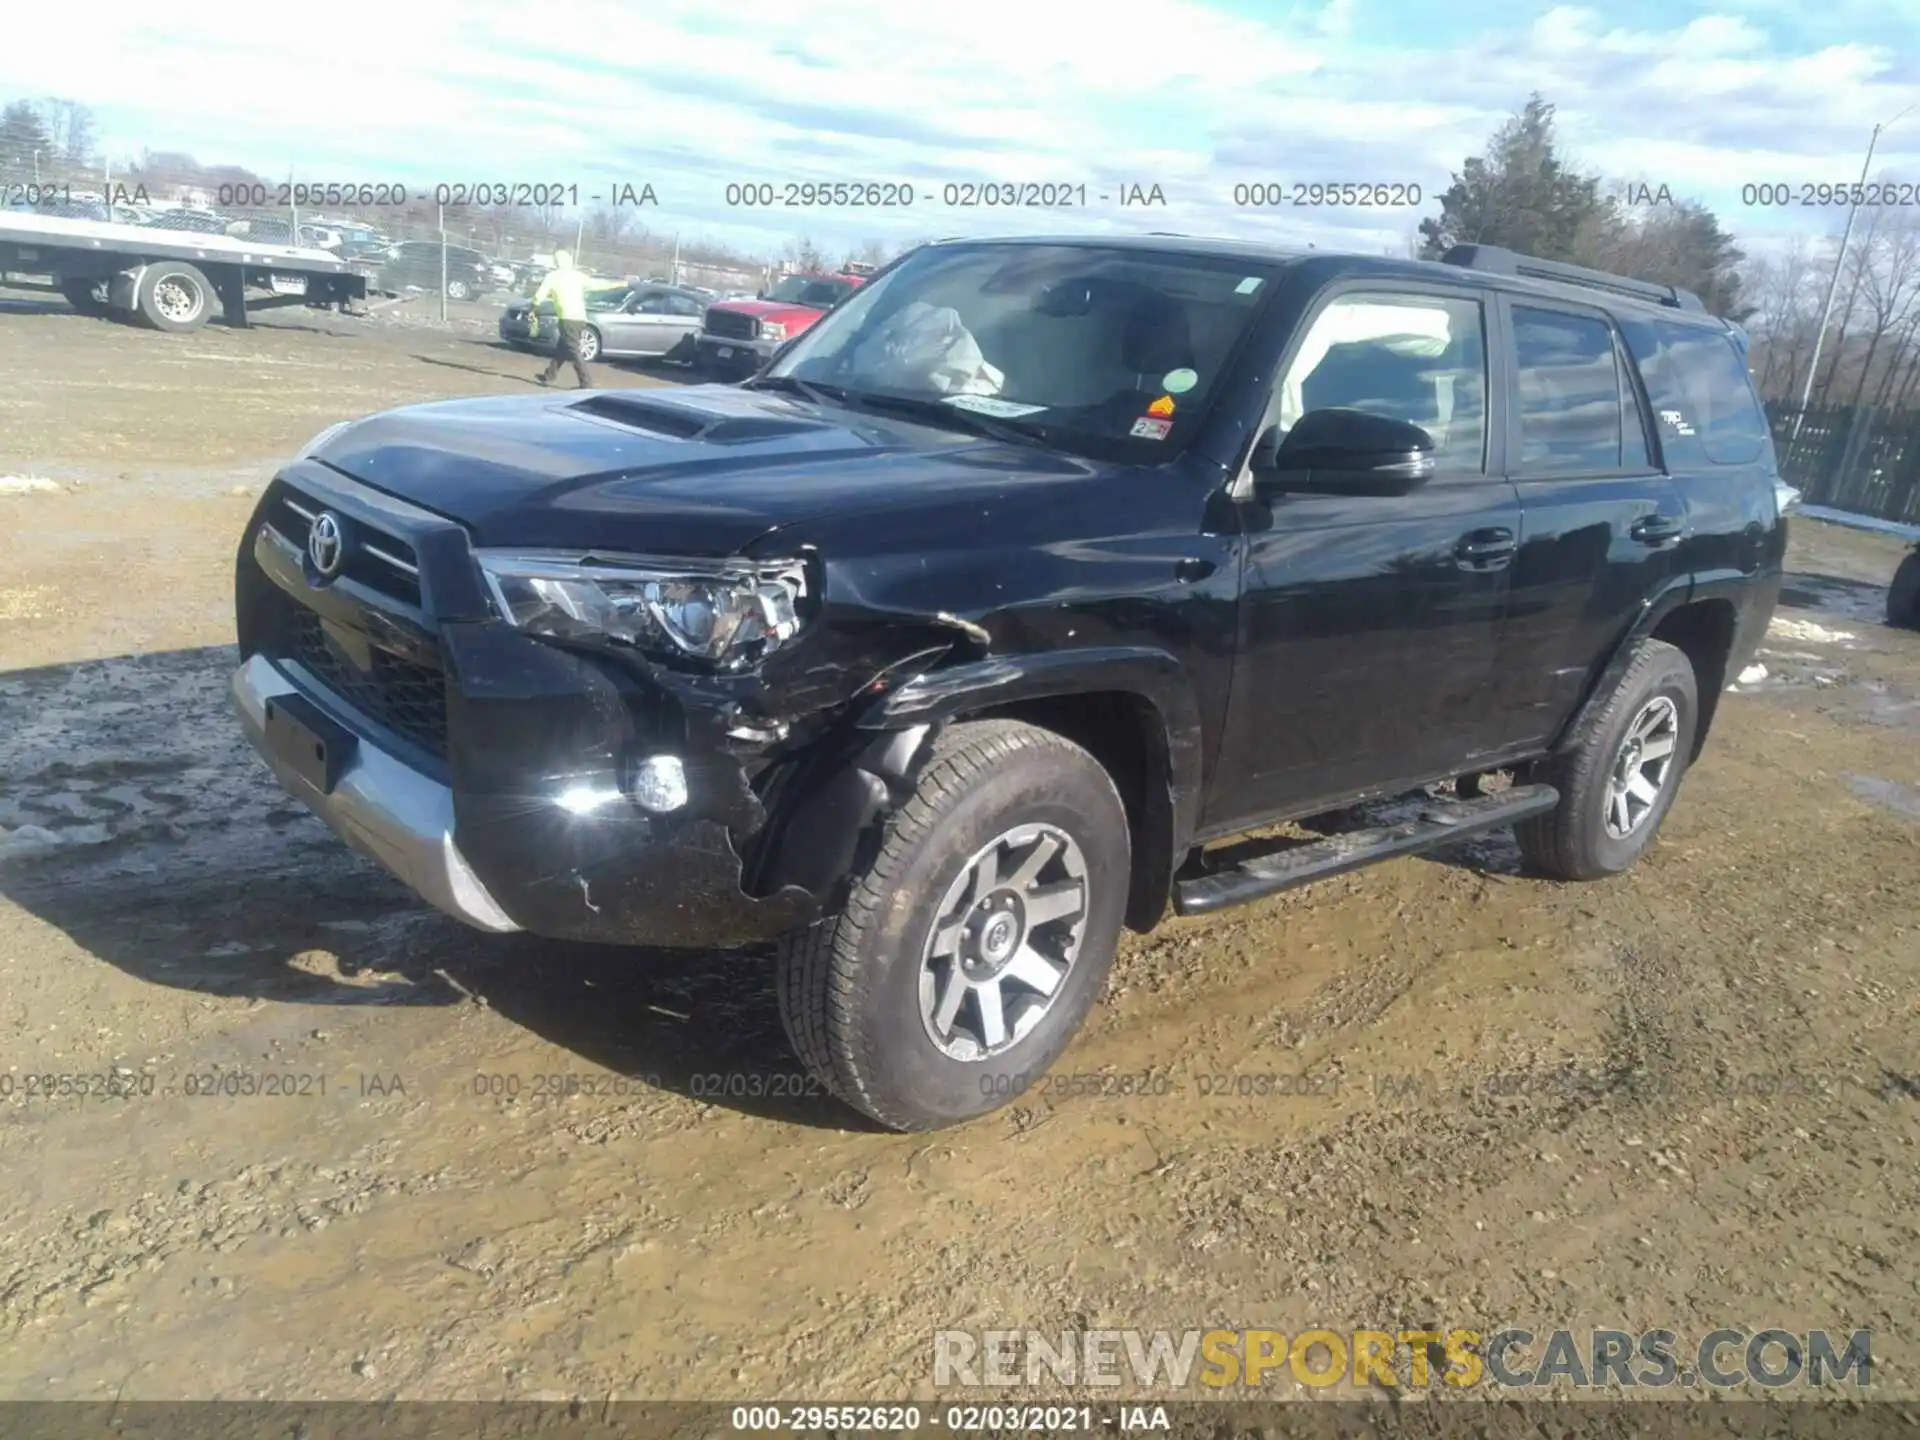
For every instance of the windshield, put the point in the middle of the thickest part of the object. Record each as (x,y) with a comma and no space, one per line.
(810,290)
(1103,351)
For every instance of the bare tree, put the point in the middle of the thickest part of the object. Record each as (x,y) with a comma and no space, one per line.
(805,256)
(1853,276)
(70,128)
(1784,291)
(1890,285)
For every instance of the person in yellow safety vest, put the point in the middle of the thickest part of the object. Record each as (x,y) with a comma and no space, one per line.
(566,287)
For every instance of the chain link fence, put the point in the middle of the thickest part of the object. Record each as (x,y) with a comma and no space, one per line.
(1857,458)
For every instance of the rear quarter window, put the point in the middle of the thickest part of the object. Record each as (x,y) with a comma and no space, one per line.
(1703,400)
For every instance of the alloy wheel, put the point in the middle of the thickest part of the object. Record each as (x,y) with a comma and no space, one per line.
(1003,940)
(1642,767)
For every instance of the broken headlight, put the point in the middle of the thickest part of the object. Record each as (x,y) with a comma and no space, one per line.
(728,613)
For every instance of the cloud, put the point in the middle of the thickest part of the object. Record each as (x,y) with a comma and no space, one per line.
(1197,97)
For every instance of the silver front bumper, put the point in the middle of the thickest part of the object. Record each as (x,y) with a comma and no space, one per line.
(382,807)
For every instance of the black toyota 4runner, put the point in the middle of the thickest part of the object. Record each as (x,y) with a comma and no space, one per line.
(952,642)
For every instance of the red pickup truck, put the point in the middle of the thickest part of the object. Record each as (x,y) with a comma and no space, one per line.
(737,336)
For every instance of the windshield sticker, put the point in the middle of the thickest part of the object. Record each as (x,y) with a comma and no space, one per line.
(1162,406)
(1247,286)
(993,405)
(1676,421)
(1148,428)
(1178,382)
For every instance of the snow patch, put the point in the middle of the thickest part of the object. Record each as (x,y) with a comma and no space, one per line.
(1806,630)
(27,485)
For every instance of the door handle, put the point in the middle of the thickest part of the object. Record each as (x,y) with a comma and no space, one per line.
(1485,549)
(1657,529)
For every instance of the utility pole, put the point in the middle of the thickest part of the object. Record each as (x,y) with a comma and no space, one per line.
(1833,283)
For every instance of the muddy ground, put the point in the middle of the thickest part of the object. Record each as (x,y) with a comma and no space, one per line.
(1688,1097)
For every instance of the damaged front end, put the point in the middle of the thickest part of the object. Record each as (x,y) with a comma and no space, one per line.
(610,797)
(525,765)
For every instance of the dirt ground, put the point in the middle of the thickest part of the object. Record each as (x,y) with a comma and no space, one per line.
(1688,1097)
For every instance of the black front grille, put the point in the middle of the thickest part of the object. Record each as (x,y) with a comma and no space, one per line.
(408,698)
(376,559)
(732,325)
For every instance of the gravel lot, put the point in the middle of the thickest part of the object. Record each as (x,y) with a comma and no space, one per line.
(1689,1097)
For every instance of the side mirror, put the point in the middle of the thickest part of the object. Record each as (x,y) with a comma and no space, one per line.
(1337,451)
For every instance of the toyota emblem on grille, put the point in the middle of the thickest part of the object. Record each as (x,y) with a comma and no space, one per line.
(326,544)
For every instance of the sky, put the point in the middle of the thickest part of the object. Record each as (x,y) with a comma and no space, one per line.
(691,96)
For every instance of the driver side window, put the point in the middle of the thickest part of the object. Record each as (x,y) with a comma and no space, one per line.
(650,302)
(1419,358)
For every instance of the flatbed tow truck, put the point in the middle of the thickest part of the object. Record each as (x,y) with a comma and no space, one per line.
(171,280)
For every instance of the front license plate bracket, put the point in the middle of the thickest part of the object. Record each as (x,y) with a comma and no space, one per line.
(311,742)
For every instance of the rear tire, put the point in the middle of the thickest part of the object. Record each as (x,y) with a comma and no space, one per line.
(1013,846)
(589,344)
(1618,781)
(1903,595)
(174,296)
(81,294)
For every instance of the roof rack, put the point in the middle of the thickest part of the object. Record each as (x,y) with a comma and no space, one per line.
(1497,260)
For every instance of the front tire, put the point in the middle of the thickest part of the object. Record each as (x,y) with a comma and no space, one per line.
(972,945)
(1903,595)
(1619,780)
(173,296)
(589,344)
(458,290)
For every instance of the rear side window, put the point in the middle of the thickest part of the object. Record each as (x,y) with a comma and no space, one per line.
(1575,413)
(1700,388)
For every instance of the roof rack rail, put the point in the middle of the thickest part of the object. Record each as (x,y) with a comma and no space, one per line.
(1498,260)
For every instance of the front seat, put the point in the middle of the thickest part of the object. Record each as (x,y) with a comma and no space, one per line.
(1156,339)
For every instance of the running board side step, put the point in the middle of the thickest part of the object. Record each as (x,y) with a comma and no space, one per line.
(1438,824)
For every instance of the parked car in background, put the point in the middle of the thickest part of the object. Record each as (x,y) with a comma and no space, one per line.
(1903,595)
(624,322)
(365,249)
(63,209)
(264,228)
(415,265)
(740,335)
(190,221)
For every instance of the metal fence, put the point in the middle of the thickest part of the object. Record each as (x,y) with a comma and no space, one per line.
(1854,458)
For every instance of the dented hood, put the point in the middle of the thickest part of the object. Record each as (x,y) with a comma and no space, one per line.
(700,470)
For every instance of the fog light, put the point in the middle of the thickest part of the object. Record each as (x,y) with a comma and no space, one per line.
(585,799)
(660,783)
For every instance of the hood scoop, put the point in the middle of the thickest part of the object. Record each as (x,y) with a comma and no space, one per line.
(682,422)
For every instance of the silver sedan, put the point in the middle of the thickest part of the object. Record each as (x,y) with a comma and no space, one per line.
(638,322)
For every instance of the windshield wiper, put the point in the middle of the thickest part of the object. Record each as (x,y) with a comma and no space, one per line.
(818,394)
(951,416)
